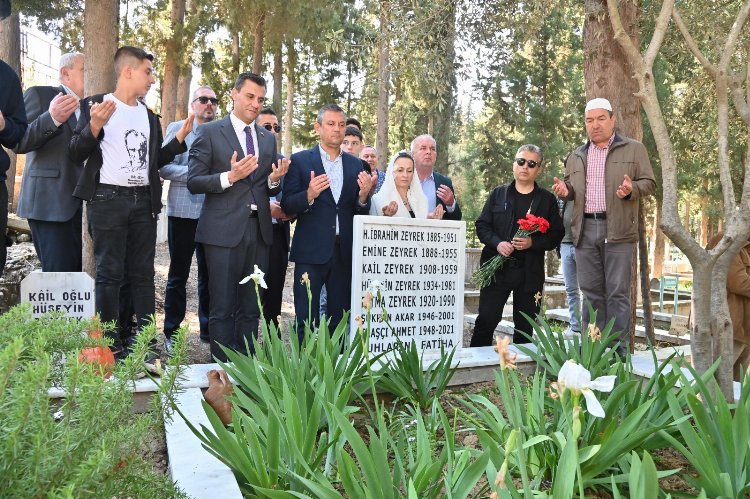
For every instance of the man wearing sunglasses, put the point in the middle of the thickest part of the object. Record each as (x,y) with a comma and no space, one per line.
(605,178)
(523,271)
(183,210)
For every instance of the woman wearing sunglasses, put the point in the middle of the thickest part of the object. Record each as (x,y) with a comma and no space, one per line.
(523,271)
(401,194)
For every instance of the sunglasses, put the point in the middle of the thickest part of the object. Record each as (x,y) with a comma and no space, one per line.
(530,162)
(205,100)
(275,128)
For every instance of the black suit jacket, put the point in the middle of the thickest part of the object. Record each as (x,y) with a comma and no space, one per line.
(11,104)
(225,211)
(443,180)
(315,233)
(83,145)
(50,176)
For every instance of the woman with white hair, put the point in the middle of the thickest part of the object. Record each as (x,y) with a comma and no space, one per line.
(401,194)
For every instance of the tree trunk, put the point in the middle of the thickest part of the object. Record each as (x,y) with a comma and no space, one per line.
(648,314)
(258,44)
(169,82)
(686,215)
(659,245)
(101,21)
(608,74)
(235,53)
(384,75)
(10,52)
(183,92)
(278,82)
(704,215)
(606,70)
(443,115)
(291,61)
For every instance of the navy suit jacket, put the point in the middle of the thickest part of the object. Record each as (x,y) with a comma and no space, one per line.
(443,180)
(315,233)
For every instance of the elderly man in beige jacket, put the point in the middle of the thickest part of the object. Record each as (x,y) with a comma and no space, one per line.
(605,178)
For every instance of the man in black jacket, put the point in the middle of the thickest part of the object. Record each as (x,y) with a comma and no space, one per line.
(12,127)
(121,139)
(523,270)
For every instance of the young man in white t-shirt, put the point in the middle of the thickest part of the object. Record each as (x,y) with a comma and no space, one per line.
(121,140)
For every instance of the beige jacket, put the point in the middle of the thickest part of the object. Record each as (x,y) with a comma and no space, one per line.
(738,290)
(626,157)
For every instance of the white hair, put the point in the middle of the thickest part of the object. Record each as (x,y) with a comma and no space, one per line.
(420,137)
(69,59)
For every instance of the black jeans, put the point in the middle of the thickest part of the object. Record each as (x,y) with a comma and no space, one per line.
(278,262)
(182,245)
(492,300)
(3,225)
(123,229)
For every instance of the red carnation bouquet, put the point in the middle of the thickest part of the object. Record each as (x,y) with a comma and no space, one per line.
(526,226)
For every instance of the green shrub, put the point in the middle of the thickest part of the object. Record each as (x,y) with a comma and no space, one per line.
(88,444)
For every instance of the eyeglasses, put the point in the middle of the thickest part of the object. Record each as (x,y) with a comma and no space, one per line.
(275,128)
(530,162)
(205,100)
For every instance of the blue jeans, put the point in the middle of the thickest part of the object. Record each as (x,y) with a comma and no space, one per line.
(568,257)
(123,229)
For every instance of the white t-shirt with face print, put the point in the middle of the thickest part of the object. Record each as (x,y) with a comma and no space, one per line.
(125,145)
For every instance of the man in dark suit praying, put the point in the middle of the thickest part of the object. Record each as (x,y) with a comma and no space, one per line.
(50,176)
(325,189)
(438,188)
(233,161)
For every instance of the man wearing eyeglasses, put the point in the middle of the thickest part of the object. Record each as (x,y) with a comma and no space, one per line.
(183,210)
(605,178)
(523,271)
(278,260)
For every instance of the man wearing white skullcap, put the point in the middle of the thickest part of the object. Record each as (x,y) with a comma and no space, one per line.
(605,178)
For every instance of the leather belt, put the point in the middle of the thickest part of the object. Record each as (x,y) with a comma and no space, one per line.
(599,215)
(253,214)
(338,239)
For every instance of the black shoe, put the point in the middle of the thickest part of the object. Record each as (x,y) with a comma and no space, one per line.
(168,346)
(205,338)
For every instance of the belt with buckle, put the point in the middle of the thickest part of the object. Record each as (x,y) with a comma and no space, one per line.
(253,214)
(599,215)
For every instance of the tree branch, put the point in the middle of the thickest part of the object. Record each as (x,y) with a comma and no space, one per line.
(731,43)
(692,45)
(621,37)
(662,22)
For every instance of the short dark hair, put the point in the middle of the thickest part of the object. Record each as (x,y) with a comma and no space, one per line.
(126,53)
(243,77)
(267,110)
(350,130)
(355,122)
(334,108)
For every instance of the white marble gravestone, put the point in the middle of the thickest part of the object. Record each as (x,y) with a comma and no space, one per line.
(420,264)
(68,292)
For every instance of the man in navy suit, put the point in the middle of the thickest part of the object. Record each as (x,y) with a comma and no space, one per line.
(233,162)
(438,188)
(46,197)
(324,189)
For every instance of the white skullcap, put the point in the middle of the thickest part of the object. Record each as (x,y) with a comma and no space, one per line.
(598,103)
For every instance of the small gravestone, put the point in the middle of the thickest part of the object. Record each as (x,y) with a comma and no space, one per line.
(69,292)
(420,264)
(680,325)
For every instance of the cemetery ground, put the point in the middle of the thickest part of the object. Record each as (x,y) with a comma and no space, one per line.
(153,449)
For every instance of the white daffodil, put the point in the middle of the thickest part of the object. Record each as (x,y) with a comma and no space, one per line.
(577,379)
(256,276)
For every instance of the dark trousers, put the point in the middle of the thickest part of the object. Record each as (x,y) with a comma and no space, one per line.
(233,307)
(182,245)
(278,261)
(58,244)
(492,300)
(4,240)
(123,229)
(336,274)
